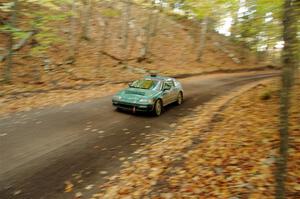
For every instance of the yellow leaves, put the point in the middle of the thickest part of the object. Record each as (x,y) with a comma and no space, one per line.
(167,195)
(155,172)
(124,190)
(78,195)
(68,186)
(297,187)
(111,192)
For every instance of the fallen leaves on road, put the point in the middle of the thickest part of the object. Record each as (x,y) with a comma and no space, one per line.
(17,192)
(78,195)
(103,172)
(233,157)
(89,187)
(69,186)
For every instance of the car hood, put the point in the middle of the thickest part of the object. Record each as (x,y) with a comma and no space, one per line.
(136,94)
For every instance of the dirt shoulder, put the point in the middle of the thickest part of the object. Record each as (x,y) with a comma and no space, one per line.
(226,149)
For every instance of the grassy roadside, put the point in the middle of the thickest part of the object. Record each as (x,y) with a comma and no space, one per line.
(231,157)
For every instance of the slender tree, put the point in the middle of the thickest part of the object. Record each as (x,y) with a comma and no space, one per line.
(126,21)
(12,24)
(87,4)
(147,37)
(203,10)
(105,16)
(202,42)
(73,38)
(290,59)
(104,24)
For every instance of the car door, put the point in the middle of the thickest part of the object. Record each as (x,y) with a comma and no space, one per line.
(173,91)
(167,93)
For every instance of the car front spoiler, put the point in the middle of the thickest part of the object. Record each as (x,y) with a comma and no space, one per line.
(133,107)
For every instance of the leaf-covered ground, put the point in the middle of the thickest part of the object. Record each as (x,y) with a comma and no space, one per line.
(27,101)
(220,151)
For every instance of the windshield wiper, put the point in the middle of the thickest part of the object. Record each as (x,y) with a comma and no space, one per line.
(138,87)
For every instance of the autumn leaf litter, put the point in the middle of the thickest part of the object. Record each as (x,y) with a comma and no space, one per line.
(231,158)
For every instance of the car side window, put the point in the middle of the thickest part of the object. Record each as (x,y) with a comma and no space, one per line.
(166,84)
(171,83)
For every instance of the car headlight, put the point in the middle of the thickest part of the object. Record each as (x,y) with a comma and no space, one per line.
(116,97)
(149,101)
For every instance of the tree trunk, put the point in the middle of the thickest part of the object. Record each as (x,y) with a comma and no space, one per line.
(202,39)
(290,61)
(102,43)
(7,70)
(86,24)
(18,46)
(127,13)
(155,23)
(73,38)
(147,33)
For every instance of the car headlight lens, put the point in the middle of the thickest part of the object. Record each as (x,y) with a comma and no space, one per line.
(116,97)
(149,101)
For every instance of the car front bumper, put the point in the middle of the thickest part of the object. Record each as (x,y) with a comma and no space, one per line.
(133,106)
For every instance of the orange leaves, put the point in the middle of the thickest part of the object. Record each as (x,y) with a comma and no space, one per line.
(235,158)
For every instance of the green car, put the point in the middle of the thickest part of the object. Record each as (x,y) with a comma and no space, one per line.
(150,94)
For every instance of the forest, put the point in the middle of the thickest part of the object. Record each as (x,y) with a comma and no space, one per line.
(63,62)
(49,42)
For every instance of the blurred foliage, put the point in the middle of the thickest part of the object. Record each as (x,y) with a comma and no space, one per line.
(110,12)
(39,15)
(255,23)
(266,95)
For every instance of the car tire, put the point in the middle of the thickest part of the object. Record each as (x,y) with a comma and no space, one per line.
(179,98)
(158,107)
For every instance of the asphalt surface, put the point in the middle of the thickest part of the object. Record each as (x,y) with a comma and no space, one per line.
(82,142)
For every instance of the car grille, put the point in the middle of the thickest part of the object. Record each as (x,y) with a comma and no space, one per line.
(135,93)
(125,106)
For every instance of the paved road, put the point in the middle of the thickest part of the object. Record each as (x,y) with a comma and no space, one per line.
(43,148)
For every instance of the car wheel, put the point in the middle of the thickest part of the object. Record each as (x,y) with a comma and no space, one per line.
(157,110)
(179,98)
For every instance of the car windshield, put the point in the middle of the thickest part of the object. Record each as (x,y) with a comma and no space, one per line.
(144,84)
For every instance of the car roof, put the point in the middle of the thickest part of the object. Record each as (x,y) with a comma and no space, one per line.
(159,78)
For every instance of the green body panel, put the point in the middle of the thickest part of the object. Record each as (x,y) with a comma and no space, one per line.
(142,94)
(134,95)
